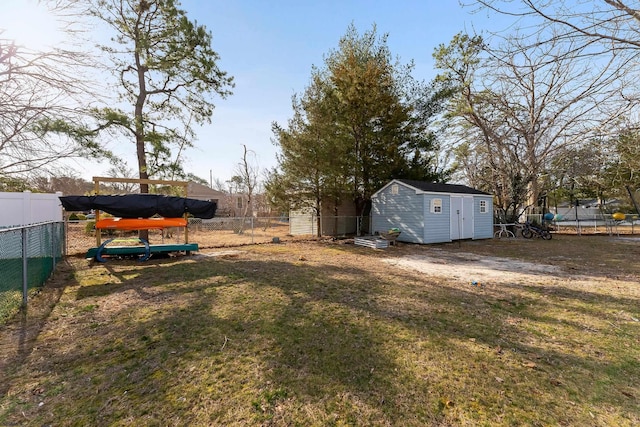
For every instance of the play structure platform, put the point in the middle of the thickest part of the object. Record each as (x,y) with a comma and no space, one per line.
(144,251)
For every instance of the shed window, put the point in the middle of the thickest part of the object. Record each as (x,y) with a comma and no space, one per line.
(239,202)
(483,206)
(394,189)
(436,206)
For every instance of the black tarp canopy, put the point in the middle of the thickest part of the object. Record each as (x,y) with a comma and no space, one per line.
(141,205)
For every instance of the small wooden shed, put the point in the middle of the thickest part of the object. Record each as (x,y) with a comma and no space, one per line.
(428,212)
(334,222)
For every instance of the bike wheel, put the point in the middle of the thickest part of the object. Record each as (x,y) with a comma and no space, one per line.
(545,235)
(527,233)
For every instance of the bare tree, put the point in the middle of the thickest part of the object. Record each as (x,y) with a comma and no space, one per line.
(517,105)
(218,184)
(68,184)
(41,94)
(603,31)
(613,23)
(121,170)
(247,174)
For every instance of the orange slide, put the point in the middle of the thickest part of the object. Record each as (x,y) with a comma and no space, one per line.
(139,223)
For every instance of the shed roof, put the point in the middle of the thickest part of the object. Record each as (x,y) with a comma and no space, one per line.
(437,187)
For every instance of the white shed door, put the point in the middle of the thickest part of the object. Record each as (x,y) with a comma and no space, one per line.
(461,217)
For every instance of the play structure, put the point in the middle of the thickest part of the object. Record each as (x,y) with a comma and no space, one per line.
(139,223)
(134,212)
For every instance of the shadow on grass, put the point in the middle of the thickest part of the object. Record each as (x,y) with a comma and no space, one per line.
(20,334)
(220,341)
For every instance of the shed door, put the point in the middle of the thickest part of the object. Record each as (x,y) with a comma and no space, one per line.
(461,217)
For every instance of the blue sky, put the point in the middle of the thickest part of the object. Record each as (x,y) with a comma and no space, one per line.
(270,47)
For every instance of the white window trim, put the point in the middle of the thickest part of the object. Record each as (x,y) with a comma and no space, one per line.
(436,203)
(484,206)
(394,189)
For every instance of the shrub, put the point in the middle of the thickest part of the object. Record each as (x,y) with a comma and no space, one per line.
(90,227)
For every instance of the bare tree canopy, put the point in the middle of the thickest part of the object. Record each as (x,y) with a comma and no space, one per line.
(42,94)
(519,104)
(597,41)
(246,176)
(613,22)
(603,31)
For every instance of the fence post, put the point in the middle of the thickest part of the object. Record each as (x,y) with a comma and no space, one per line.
(53,246)
(25,275)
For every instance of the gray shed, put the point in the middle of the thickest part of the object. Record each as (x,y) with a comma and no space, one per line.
(428,212)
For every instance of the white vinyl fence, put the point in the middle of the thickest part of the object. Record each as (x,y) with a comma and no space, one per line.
(26,208)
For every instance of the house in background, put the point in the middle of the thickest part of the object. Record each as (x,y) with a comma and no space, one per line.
(202,192)
(229,204)
(427,212)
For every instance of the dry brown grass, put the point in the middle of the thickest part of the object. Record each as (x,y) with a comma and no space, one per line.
(327,333)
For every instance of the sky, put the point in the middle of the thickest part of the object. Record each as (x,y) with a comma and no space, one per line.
(270,47)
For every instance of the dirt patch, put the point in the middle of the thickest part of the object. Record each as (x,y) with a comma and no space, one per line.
(473,267)
(219,254)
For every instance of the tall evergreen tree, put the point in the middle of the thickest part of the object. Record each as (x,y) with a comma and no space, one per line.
(166,71)
(362,121)
(311,160)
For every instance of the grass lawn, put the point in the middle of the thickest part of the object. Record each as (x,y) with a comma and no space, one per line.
(11,282)
(332,334)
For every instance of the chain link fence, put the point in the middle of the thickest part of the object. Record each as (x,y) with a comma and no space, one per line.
(592,223)
(28,256)
(223,231)
(207,233)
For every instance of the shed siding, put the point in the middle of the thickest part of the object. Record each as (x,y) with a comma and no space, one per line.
(437,225)
(301,222)
(403,210)
(410,211)
(339,223)
(482,222)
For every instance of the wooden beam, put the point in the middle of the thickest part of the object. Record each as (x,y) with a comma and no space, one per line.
(98,179)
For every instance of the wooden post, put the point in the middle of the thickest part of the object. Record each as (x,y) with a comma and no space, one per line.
(96,189)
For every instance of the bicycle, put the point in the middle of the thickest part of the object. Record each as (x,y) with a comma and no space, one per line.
(503,232)
(529,230)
